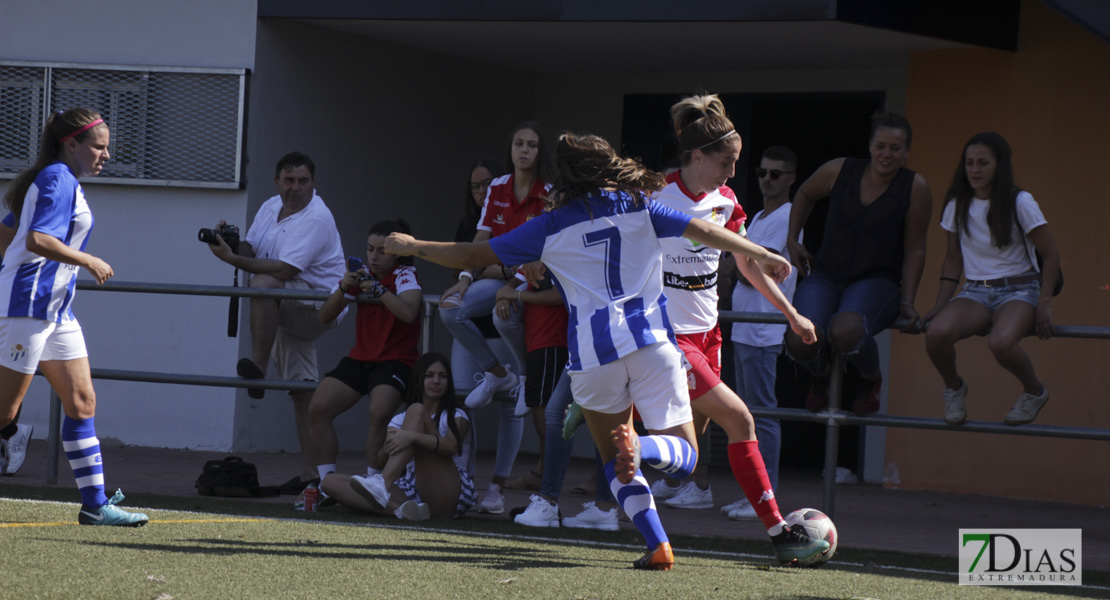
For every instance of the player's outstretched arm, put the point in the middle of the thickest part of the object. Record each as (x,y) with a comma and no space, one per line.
(449,254)
(715,236)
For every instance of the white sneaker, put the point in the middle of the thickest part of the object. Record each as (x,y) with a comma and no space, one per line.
(1026,408)
(540,513)
(661,491)
(593,517)
(955,405)
(17,448)
(412,510)
(488,385)
(735,505)
(691,496)
(372,488)
(744,512)
(522,407)
(493,503)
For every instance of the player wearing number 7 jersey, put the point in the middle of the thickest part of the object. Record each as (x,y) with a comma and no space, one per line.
(601,242)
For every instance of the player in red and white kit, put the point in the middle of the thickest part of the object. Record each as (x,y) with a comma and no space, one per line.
(710,148)
(380,364)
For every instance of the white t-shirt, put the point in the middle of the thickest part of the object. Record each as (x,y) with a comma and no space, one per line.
(690,268)
(981,259)
(462,460)
(307,240)
(605,255)
(769,231)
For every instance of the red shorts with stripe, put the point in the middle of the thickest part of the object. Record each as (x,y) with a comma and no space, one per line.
(703,352)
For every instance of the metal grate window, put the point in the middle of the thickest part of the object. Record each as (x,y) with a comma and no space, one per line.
(170,126)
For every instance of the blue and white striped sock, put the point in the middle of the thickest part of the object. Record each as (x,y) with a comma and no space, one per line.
(636,500)
(670,454)
(83,452)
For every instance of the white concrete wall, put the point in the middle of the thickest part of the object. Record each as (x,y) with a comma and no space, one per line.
(147,233)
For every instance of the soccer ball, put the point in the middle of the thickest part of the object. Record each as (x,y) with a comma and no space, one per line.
(817,525)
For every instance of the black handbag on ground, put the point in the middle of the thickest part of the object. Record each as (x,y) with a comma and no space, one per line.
(231,477)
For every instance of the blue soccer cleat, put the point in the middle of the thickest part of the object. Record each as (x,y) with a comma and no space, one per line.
(111,515)
(795,549)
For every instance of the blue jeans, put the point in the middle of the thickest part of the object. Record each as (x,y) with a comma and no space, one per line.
(820,299)
(557,451)
(755,384)
(479,300)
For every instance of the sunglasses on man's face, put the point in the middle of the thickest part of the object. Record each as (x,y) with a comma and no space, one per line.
(774,173)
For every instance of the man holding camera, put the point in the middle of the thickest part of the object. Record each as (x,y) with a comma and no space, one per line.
(292,244)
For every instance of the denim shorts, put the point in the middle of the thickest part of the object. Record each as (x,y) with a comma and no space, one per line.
(994,297)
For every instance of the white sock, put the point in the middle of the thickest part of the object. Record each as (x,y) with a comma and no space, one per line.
(371,471)
(322,470)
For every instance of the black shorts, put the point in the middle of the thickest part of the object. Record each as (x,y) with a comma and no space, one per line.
(364,376)
(544,368)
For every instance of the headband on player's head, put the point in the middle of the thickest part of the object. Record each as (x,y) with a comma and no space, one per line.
(701,146)
(81,130)
(716,140)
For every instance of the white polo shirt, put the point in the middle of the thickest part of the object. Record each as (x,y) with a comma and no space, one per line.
(307,240)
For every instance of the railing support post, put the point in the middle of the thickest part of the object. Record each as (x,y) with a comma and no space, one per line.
(53,438)
(832,434)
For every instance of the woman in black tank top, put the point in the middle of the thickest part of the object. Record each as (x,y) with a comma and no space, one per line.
(866,272)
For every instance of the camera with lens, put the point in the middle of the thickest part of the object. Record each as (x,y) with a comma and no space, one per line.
(229,233)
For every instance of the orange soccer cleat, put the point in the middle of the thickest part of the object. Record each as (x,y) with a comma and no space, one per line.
(660,559)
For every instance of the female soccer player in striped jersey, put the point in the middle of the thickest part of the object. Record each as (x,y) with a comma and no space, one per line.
(601,242)
(39,276)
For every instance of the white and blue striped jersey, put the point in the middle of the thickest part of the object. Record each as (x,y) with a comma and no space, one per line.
(607,261)
(33,285)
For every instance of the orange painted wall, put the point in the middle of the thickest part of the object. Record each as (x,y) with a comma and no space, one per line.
(1051,100)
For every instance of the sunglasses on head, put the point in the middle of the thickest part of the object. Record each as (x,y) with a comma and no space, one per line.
(774,173)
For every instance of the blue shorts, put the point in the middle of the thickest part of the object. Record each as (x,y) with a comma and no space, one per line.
(995,296)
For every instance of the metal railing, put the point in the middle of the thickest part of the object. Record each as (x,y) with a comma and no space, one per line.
(832,417)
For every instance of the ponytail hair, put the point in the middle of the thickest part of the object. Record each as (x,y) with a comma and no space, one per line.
(587,163)
(59,126)
(700,123)
(384,228)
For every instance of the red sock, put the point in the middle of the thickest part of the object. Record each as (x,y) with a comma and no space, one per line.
(750,472)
